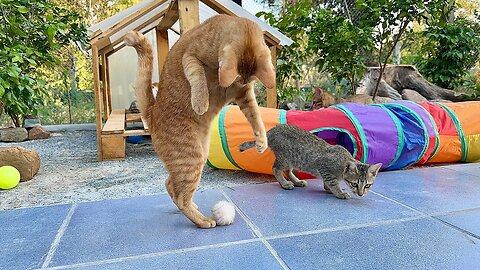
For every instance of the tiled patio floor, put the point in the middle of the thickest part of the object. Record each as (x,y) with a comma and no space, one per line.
(415,219)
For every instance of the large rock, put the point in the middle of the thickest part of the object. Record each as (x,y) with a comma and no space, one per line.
(26,161)
(413,95)
(38,132)
(13,134)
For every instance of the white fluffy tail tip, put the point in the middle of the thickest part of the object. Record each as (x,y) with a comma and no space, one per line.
(224,213)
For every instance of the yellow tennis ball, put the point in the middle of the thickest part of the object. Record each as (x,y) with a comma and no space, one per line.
(9,177)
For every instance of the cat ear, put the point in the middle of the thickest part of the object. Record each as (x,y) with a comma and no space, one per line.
(227,67)
(351,168)
(265,71)
(373,169)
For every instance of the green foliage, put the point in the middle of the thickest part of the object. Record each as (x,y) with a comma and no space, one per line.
(75,106)
(31,33)
(471,85)
(340,46)
(446,54)
(323,41)
(391,19)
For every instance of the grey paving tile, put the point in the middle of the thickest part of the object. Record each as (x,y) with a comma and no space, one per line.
(27,234)
(468,168)
(418,244)
(434,189)
(129,227)
(468,220)
(277,211)
(243,256)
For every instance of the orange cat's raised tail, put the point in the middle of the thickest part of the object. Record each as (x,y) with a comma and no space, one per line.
(143,83)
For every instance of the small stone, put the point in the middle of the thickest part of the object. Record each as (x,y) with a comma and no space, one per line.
(38,132)
(413,96)
(383,100)
(13,134)
(25,160)
(31,122)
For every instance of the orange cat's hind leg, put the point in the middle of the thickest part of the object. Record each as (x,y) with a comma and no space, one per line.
(171,191)
(181,185)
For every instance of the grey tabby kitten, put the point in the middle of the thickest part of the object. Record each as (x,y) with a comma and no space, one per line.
(295,148)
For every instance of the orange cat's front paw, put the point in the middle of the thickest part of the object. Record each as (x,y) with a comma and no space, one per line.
(261,144)
(200,107)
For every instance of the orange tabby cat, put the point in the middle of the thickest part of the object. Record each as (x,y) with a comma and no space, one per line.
(209,66)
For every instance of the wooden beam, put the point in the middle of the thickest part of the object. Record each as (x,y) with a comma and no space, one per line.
(219,8)
(271,39)
(98,101)
(162,49)
(189,14)
(272,93)
(116,123)
(109,85)
(107,43)
(103,72)
(170,17)
(125,22)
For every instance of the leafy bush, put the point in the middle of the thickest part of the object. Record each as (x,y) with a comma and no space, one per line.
(31,32)
(323,41)
(449,52)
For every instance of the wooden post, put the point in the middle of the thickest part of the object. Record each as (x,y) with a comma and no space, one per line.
(98,100)
(103,70)
(109,86)
(162,49)
(272,93)
(189,14)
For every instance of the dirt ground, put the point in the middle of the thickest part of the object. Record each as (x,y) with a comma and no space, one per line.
(69,172)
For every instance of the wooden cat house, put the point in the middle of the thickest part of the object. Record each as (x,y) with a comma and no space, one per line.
(165,20)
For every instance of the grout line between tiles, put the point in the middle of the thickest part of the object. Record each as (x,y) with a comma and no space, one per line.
(456,227)
(257,232)
(460,172)
(58,237)
(156,254)
(240,242)
(253,227)
(402,204)
(436,216)
(344,228)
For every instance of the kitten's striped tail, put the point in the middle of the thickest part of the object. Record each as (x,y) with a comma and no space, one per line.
(143,83)
(247,145)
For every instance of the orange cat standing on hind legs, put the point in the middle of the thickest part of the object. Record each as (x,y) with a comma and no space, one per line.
(209,66)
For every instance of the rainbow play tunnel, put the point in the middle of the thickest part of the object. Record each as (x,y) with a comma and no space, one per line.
(397,134)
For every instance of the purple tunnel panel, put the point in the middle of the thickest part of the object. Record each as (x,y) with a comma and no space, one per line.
(380,132)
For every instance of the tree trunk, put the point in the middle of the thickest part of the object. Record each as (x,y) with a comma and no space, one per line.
(396,78)
(73,82)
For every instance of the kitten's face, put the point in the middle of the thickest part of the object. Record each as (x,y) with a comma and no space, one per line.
(360,177)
